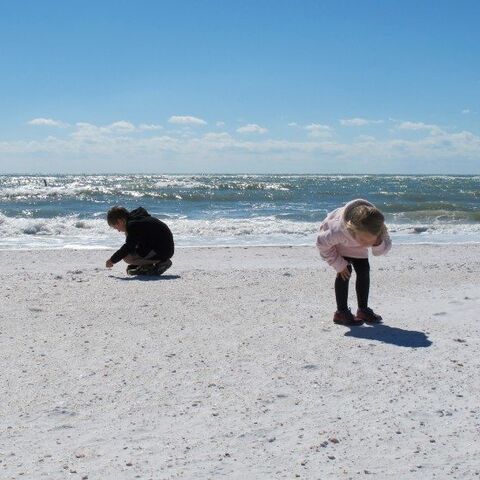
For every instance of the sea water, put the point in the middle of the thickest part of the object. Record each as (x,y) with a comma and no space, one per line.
(69,211)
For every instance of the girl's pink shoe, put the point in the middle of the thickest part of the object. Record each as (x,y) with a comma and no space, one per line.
(367,315)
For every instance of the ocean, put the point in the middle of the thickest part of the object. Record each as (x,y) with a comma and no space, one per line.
(69,211)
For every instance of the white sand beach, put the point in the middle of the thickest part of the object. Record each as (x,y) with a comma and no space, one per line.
(230,367)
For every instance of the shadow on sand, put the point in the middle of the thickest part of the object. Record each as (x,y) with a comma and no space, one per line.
(393,335)
(147,278)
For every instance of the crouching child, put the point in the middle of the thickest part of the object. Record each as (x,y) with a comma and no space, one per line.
(148,246)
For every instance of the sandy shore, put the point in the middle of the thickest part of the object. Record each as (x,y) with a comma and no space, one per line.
(230,367)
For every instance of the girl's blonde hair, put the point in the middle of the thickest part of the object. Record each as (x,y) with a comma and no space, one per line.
(366,218)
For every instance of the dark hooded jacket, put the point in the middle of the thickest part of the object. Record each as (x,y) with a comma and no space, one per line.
(144,234)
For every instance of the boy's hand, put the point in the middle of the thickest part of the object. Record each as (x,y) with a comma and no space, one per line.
(109,263)
(344,274)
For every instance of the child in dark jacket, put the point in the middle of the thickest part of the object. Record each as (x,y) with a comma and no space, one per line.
(149,245)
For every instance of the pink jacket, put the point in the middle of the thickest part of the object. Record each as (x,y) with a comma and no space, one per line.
(335,242)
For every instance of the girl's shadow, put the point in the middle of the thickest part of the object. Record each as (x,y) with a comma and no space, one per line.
(393,335)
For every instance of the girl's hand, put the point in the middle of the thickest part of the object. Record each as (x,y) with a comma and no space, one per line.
(109,264)
(344,274)
(378,242)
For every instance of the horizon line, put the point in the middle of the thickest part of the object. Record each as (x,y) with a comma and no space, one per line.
(37,174)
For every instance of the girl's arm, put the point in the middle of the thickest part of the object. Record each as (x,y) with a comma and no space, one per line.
(326,244)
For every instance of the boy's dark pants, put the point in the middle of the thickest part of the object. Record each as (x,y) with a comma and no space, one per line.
(152,258)
(362,284)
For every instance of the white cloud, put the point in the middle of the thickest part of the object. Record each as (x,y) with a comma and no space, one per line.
(357,122)
(101,147)
(319,130)
(146,126)
(186,120)
(252,128)
(293,124)
(465,111)
(223,136)
(88,130)
(366,138)
(220,124)
(47,122)
(446,145)
(120,127)
(415,126)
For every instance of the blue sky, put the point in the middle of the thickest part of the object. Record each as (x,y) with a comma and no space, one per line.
(240,86)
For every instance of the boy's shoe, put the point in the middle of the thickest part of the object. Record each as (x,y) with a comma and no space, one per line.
(345,317)
(141,270)
(162,267)
(367,315)
(153,269)
(132,269)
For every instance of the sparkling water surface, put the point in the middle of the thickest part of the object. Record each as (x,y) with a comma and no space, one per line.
(68,211)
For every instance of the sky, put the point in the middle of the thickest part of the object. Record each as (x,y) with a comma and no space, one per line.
(250,86)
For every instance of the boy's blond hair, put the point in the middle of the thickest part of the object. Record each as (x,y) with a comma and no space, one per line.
(366,218)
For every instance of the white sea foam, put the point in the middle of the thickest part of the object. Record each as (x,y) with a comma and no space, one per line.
(74,232)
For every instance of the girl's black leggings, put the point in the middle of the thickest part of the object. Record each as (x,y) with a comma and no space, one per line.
(362,284)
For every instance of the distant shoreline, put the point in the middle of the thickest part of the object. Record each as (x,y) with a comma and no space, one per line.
(100,174)
(95,249)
